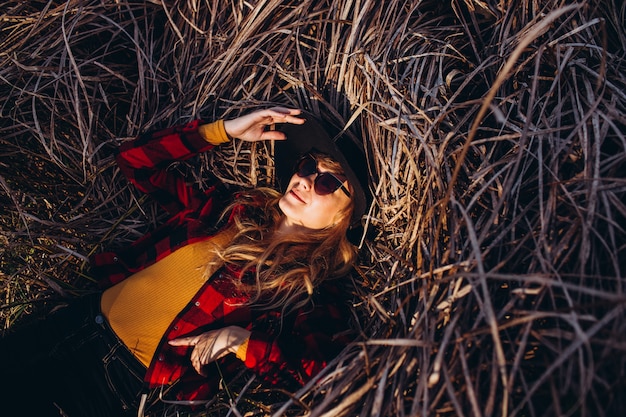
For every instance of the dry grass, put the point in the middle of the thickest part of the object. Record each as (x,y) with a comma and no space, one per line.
(492,282)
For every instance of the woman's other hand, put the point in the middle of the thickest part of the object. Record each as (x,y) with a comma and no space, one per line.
(252,127)
(210,346)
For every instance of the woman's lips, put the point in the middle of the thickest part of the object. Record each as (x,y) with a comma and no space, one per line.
(296,196)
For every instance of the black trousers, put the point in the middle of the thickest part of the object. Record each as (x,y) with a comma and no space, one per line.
(69,361)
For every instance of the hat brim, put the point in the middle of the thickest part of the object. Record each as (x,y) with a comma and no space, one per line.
(313,136)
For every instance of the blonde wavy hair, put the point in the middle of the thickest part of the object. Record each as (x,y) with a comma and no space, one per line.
(287,268)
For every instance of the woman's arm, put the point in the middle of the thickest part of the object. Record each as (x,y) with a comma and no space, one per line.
(288,355)
(145,160)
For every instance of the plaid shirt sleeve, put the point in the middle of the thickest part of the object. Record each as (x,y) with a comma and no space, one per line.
(316,336)
(145,162)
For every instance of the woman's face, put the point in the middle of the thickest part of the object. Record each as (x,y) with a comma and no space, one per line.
(303,207)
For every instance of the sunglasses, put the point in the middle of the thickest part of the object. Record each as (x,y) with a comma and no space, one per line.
(325,182)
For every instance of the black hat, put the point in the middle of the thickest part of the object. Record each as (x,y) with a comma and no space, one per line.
(312,136)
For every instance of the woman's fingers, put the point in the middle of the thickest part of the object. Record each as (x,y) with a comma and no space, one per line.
(286,115)
(201,353)
(184,341)
(196,360)
(272,135)
(212,345)
(253,127)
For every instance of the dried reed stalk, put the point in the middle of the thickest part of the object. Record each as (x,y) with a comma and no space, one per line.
(492,276)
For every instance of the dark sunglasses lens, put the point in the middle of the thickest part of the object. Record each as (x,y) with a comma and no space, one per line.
(306,167)
(326,183)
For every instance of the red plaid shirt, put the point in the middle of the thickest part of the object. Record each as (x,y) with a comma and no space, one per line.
(280,354)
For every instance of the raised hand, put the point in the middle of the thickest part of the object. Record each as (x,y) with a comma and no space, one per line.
(210,346)
(252,127)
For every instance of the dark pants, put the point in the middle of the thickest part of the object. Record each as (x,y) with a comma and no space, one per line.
(69,361)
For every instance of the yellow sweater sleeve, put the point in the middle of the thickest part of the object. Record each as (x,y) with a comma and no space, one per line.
(214,133)
(241,351)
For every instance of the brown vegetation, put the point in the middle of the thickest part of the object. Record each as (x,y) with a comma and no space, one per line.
(492,280)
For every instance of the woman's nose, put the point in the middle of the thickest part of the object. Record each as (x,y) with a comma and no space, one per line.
(309,180)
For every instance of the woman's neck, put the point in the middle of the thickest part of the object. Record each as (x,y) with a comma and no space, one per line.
(287,227)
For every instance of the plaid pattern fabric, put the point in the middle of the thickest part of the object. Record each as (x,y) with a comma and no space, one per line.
(284,353)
